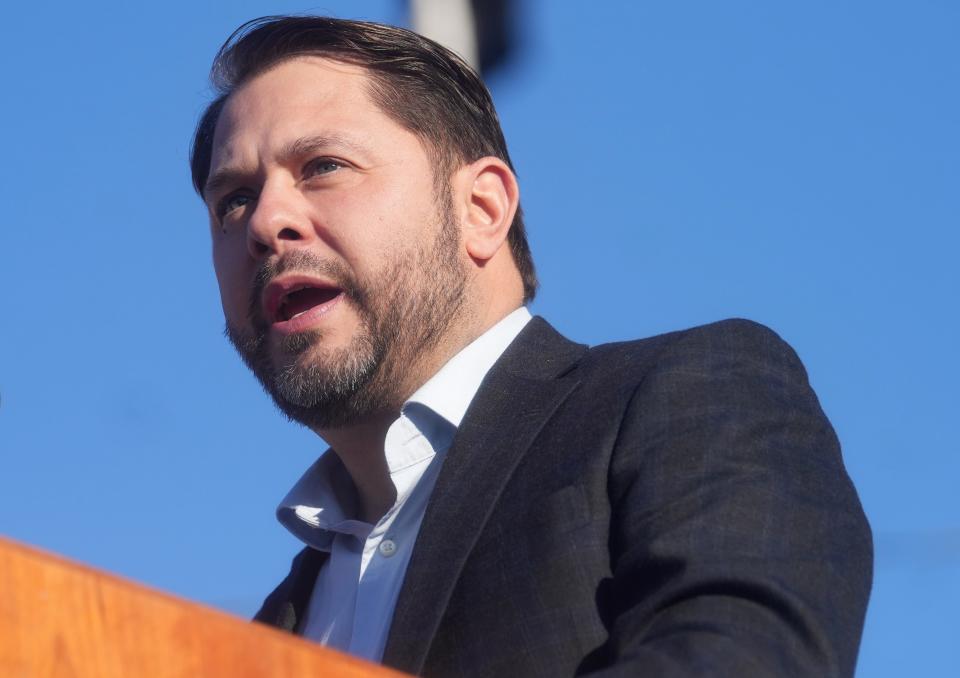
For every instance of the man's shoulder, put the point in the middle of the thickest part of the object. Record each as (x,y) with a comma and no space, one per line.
(706,346)
(731,331)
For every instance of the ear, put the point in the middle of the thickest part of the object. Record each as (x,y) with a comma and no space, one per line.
(490,196)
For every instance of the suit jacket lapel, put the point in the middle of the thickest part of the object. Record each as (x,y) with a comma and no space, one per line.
(518,396)
(286,607)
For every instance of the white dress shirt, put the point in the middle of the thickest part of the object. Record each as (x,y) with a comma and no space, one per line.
(356,591)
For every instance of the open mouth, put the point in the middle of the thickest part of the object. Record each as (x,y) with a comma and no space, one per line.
(291,304)
(296,303)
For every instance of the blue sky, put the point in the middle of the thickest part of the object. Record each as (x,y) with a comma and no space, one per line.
(683,162)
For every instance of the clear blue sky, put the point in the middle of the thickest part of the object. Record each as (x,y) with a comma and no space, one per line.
(794,163)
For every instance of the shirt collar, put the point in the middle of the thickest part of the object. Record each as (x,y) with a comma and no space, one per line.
(324,500)
(450,391)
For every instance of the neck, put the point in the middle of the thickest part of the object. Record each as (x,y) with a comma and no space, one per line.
(360,446)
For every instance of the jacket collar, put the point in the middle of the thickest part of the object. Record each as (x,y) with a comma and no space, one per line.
(286,607)
(518,396)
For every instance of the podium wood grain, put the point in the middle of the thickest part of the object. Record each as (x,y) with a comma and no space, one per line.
(63,620)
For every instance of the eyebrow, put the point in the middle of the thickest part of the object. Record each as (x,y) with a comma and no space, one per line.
(293,149)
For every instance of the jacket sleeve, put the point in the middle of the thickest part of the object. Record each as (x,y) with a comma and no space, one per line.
(738,544)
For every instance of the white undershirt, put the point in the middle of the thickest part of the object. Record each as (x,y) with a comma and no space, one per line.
(356,591)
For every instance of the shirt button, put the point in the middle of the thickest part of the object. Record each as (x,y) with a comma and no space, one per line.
(387,548)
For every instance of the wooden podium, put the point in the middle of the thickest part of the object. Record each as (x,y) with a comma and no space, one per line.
(63,620)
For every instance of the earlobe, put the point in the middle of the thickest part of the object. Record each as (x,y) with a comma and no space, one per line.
(492,199)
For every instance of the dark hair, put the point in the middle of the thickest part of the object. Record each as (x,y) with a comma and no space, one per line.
(425,87)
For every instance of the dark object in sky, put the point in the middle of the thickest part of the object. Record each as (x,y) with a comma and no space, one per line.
(495,26)
(482,32)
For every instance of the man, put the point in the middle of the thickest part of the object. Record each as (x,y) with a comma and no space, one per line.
(498,500)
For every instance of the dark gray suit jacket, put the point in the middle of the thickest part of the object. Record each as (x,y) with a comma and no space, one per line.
(675,506)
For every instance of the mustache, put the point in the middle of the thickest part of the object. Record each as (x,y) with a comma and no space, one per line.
(300,261)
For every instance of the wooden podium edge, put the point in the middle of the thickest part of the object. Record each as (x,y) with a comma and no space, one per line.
(59,618)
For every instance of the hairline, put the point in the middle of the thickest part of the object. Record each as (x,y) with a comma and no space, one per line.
(466,128)
(443,162)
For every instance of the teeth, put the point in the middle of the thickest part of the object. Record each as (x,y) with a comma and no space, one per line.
(298,315)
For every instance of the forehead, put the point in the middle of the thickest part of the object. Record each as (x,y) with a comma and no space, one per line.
(305,95)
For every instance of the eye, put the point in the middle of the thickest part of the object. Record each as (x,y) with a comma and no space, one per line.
(232,202)
(321,166)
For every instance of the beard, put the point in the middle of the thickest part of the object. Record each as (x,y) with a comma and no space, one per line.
(405,310)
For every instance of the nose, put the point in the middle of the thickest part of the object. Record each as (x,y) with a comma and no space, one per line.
(278,222)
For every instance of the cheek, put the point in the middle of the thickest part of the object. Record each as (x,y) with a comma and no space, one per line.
(230,264)
(383,225)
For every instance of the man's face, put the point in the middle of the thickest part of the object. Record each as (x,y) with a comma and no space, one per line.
(338,262)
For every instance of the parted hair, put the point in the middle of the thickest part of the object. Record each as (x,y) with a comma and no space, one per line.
(425,87)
